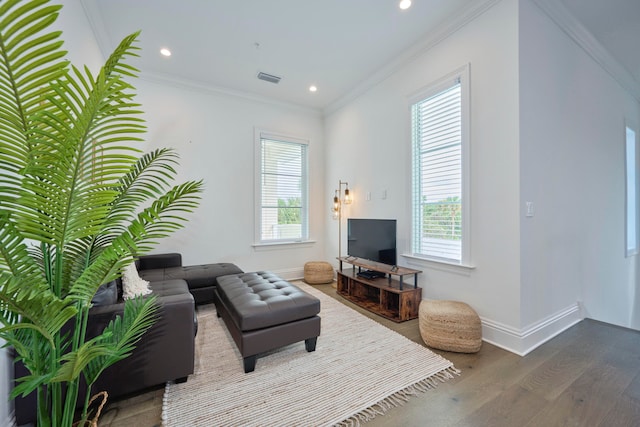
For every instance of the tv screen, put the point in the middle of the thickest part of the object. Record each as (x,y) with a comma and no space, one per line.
(372,239)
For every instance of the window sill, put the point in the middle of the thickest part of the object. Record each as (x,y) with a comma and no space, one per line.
(438,264)
(266,246)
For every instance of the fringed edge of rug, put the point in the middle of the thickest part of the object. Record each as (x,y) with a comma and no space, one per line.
(165,398)
(399,398)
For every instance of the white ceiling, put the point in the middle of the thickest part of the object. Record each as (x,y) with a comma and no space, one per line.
(333,44)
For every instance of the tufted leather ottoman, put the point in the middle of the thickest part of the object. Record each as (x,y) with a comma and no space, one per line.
(264,312)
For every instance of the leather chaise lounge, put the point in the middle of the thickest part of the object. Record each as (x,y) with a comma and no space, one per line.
(263,312)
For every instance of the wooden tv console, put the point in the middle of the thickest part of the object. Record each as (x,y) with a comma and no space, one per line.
(386,296)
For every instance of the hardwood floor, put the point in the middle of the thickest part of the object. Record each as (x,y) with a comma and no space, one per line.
(587,376)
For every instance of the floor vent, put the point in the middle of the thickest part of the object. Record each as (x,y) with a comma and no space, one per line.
(268,77)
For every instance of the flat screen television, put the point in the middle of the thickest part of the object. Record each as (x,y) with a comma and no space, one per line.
(372,239)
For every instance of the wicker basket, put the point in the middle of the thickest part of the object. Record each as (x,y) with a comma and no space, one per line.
(318,272)
(450,326)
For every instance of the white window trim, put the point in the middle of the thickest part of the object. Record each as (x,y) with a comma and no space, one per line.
(282,245)
(462,74)
(260,134)
(629,252)
(438,264)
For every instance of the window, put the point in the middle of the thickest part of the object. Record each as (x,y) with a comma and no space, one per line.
(631,168)
(439,200)
(282,202)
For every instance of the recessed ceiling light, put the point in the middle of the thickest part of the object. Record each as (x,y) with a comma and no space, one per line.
(165,52)
(313,88)
(405,4)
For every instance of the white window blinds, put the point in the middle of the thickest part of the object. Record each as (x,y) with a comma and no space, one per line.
(283,190)
(437,174)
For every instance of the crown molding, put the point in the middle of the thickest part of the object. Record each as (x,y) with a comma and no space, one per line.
(559,14)
(442,32)
(92,12)
(200,87)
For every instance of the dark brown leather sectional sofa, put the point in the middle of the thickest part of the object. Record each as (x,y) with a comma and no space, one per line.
(201,279)
(166,351)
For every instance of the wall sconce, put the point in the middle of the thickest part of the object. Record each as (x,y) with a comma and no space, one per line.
(337,209)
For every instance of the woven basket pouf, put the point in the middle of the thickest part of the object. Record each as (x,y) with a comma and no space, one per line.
(318,272)
(450,326)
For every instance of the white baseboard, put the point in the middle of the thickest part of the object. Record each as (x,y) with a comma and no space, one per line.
(523,341)
(518,341)
(290,273)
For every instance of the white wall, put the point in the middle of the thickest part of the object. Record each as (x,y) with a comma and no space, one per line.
(214,135)
(79,41)
(368,145)
(572,167)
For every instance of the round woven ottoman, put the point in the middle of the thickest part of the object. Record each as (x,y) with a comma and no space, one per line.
(450,326)
(318,272)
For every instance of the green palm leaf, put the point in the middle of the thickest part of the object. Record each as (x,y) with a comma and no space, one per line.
(147,178)
(156,221)
(161,219)
(28,61)
(88,169)
(114,344)
(24,293)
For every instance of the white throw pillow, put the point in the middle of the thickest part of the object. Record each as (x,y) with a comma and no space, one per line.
(132,284)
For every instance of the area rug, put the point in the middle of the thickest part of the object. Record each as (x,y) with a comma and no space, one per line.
(360,369)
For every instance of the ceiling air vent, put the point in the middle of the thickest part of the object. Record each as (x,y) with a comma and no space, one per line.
(268,77)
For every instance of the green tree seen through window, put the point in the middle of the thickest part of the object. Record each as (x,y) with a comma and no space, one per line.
(290,211)
(443,219)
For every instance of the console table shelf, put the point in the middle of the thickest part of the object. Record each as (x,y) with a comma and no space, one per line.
(385,296)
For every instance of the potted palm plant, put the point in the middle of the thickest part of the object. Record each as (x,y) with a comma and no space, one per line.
(77,203)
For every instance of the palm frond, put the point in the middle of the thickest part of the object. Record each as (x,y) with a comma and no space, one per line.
(156,221)
(146,179)
(161,218)
(115,63)
(25,295)
(78,135)
(28,383)
(74,362)
(28,61)
(103,268)
(121,335)
(21,307)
